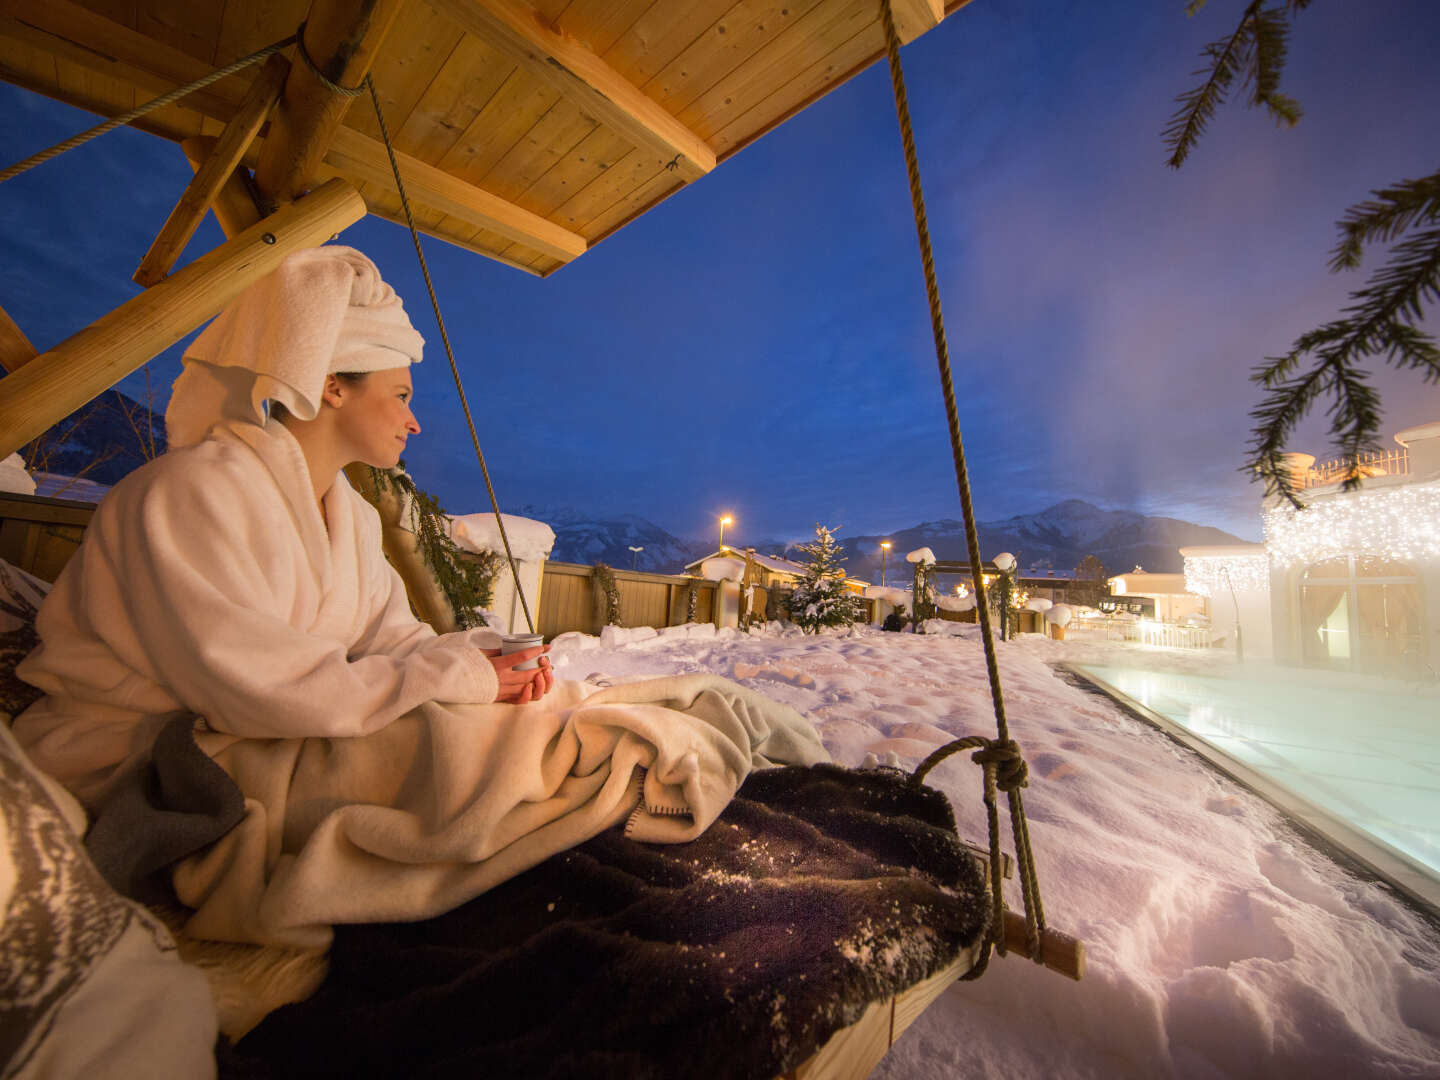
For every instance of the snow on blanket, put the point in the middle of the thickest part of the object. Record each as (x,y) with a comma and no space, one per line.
(1220,943)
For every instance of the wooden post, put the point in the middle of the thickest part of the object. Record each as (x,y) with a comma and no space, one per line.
(15,347)
(234,205)
(342,37)
(58,382)
(211,176)
(402,548)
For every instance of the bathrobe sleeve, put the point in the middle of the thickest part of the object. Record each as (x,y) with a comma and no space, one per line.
(209,593)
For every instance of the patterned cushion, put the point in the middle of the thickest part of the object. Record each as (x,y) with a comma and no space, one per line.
(90,984)
(20,596)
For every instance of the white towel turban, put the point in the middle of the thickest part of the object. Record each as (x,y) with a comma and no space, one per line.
(322,310)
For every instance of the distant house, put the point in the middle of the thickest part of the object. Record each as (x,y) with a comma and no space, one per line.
(1170,600)
(770,570)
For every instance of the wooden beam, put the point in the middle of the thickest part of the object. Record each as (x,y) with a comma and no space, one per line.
(572,68)
(15,348)
(915,17)
(234,204)
(361,156)
(341,37)
(100,43)
(58,382)
(217,170)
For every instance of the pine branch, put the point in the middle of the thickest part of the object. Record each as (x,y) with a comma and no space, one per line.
(1259,46)
(1382,219)
(1197,106)
(1380,323)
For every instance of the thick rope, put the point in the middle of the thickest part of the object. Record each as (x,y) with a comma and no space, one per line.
(139,111)
(444,336)
(1003,747)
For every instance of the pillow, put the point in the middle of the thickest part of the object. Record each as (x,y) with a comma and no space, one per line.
(20,596)
(90,984)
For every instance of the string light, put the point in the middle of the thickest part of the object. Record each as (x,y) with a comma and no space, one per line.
(1211,575)
(1398,524)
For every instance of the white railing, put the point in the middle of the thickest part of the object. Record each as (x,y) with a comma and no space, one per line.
(1169,635)
(1381,463)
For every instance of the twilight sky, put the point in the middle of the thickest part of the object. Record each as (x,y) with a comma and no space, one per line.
(760,343)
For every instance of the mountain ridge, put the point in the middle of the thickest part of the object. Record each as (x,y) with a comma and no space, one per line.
(1055,538)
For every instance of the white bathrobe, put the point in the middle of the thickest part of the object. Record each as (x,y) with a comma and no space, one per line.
(380,783)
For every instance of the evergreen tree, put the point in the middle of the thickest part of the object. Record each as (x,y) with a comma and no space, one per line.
(1383,319)
(820,598)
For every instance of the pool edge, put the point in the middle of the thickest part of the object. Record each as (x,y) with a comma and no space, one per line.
(1334,835)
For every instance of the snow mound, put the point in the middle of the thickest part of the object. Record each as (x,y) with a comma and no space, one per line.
(923,554)
(530,540)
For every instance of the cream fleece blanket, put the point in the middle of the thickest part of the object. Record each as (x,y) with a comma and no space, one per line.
(448,801)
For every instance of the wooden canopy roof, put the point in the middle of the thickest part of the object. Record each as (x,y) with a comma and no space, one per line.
(526,133)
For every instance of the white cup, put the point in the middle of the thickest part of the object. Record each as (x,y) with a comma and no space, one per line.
(513,643)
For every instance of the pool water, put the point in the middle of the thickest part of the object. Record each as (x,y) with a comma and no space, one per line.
(1370,759)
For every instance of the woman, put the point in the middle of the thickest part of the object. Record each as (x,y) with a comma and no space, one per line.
(246,537)
(387,772)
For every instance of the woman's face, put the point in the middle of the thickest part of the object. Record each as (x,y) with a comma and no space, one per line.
(374,417)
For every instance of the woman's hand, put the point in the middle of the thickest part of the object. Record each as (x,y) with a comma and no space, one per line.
(521,687)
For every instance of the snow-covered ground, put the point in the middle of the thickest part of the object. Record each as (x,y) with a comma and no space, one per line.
(1220,944)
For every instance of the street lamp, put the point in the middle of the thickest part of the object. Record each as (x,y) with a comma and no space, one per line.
(635,554)
(884,550)
(723,522)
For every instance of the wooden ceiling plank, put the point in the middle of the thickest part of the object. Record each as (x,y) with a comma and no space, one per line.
(342,37)
(234,206)
(355,154)
(632,204)
(249,25)
(662,33)
(631,171)
(185,25)
(572,68)
(503,122)
(217,169)
(557,133)
(600,23)
(59,381)
(590,158)
(15,348)
(808,86)
(462,88)
(740,33)
(804,43)
(416,49)
(91,41)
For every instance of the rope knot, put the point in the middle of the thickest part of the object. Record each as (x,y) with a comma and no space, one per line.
(1011,772)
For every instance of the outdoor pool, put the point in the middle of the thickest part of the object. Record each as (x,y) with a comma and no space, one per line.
(1364,764)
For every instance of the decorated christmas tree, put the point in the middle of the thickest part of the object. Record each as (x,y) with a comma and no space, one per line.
(820,598)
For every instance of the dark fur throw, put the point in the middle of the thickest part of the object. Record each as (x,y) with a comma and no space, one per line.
(818,891)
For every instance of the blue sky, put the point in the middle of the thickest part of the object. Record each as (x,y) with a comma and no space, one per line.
(760,343)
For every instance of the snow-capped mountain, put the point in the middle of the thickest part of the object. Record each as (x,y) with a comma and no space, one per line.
(1056,538)
(579,539)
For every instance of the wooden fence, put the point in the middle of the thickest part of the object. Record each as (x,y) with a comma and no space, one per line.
(569,600)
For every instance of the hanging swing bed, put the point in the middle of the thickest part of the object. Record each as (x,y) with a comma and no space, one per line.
(826,907)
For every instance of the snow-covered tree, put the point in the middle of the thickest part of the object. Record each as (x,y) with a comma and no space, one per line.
(820,598)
